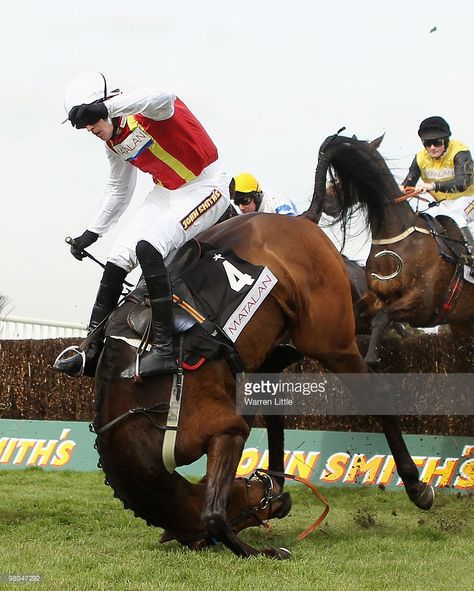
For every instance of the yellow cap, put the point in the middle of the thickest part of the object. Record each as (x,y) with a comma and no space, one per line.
(246,183)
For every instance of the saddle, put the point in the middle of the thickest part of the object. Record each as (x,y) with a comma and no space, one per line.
(211,287)
(448,237)
(202,340)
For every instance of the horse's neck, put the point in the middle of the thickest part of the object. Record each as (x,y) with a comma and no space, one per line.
(398,217)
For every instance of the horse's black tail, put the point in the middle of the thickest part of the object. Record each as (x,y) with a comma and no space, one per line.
(360,177)
(316,206)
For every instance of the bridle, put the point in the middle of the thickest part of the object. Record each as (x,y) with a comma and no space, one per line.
(269,497)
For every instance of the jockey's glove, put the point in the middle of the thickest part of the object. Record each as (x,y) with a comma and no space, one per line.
(84,115)
(81,242)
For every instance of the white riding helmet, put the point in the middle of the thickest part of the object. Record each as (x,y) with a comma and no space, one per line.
(88,88)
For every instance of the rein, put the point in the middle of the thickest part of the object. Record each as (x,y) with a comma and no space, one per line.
(409,193)
(265,476)
(316,492)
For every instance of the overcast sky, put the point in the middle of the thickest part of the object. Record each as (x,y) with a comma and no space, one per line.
(268,79)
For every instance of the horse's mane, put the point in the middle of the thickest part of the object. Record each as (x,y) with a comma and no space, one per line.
(360,176)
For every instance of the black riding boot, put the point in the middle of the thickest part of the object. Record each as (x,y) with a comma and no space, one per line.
(110,289)
(162,357)
(469,240)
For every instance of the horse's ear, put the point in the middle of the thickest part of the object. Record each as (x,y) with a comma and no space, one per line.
(375,144)
(232,188)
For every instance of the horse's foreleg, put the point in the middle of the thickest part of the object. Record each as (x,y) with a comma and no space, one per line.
(377,326)
(419,492)
(223,455)
(367,389)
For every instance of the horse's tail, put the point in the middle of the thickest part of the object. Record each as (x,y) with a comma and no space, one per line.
(360,176)
(316,206)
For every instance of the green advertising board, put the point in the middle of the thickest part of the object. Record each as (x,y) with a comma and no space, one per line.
(324,457)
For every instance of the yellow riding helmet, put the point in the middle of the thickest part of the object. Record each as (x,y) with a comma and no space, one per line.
(246,183)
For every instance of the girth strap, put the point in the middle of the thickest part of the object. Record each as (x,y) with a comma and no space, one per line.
(169,439)
(157,408)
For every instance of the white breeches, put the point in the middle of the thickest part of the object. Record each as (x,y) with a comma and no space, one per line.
(167,219)
(458,209)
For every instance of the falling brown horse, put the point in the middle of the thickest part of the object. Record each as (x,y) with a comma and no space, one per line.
(408,280)
(311,304)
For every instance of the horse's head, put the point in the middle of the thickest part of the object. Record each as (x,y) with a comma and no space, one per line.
(331,206)
(256,500)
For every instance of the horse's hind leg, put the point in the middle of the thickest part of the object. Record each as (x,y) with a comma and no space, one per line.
(223,455)
(419,492)
(275,425)
(276,452)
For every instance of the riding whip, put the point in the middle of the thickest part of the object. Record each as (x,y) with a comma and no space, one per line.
(71,242)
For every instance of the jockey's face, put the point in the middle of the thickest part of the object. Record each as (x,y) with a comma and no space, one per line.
(103,129)
(435,148)
(248,208)
(246,202)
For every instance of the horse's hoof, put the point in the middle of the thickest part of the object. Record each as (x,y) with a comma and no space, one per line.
(372,362)
(424,500)
(277,553)
(284,553)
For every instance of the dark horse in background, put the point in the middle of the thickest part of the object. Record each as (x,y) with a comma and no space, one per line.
(407,279)
(365,322)
(311,305)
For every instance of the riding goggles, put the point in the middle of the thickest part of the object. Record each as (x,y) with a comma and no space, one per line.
(245,200)
(436,143)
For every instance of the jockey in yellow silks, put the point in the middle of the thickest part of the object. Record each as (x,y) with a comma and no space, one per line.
(444,168)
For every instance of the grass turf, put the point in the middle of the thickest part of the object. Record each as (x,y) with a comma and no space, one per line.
(67,527)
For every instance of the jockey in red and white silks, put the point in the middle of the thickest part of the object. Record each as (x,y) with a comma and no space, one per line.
(156,133)
(153,131)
